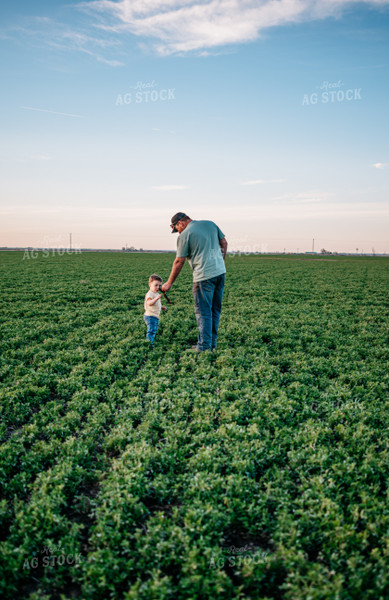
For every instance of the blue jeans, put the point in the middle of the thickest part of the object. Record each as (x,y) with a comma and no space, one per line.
(152,327)
(208,297)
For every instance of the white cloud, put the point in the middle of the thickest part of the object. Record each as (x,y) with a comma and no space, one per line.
(227,214)
(174,26)
(53,112)
(180,26)
(287,211)
(46,31)
(40,157)
(259,181)
(304,197)
(380,165)
(169,188)
(81,42)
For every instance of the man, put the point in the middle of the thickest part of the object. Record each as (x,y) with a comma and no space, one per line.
(205,247)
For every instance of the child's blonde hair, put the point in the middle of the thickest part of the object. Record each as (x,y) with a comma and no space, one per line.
(155,277)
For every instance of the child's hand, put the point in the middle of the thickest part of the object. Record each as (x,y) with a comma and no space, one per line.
(164,307)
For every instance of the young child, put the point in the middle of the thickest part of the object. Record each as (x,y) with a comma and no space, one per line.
(153,307)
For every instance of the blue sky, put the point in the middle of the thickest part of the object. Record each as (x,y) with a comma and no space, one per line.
(269,118)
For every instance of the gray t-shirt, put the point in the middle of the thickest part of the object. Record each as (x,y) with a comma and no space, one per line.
(199,242)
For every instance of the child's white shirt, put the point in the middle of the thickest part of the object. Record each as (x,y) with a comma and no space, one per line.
(155,309)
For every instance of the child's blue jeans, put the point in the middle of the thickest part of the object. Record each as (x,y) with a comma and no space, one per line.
(152,327)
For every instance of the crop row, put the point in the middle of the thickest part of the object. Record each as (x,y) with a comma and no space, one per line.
(257,471)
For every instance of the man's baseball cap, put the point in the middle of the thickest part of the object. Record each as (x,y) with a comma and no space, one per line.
(177,217)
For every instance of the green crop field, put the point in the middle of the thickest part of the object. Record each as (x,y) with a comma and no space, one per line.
(258,471)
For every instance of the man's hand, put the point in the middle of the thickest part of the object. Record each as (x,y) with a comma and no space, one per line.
(176,268)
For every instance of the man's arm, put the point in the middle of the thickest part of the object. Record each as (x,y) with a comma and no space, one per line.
(223,246)
(176,269)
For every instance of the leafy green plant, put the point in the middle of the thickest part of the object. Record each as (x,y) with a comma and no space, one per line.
(257,471)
